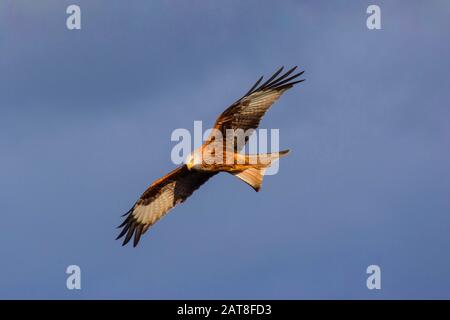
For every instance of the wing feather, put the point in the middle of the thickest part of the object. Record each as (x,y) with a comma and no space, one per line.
(158,199)
(247,112)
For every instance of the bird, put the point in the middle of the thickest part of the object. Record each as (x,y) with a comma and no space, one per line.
(175,187)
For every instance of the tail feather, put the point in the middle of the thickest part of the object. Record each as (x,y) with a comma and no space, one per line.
(254,175)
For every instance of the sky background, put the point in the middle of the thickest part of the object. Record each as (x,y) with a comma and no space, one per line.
(85,124)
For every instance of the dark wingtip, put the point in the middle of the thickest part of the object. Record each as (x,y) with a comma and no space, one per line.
(271,79)
(289,85)
(131,227)
(275,81)
(125,221)
(129,234)
(126,224)
(254,86)
(122,233)
(128,212)
(119,236)
(284,81)
(137,235)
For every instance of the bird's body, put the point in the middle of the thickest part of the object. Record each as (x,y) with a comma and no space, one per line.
(228,160)
(220,153)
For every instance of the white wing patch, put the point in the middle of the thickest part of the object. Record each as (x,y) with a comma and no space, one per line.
(150,213)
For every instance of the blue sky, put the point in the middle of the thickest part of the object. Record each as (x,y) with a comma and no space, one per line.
(85,124)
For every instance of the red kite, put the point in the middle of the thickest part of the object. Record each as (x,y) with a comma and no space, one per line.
(172,189)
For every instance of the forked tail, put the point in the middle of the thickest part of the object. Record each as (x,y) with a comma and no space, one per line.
(254,175)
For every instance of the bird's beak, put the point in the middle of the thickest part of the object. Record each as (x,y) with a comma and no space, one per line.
(189,165)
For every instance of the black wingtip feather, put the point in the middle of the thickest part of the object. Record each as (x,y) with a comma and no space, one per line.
(271,78)
(128,212)
(276,82)
(122,233)
(137,235)
(129,234)
(124,222)
(295,82)
(131,227)
(254,86)
(281,81)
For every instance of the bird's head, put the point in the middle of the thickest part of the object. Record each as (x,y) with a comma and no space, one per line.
(190,161)
(194,160)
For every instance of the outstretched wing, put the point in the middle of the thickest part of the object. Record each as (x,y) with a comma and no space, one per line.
(159,198)
(247,112)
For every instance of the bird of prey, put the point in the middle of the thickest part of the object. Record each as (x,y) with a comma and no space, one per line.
(175,187)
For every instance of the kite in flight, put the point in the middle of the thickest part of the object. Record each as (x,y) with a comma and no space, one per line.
(175,187)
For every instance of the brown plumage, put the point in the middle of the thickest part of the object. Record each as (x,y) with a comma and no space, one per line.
(247,112)
(175,187)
